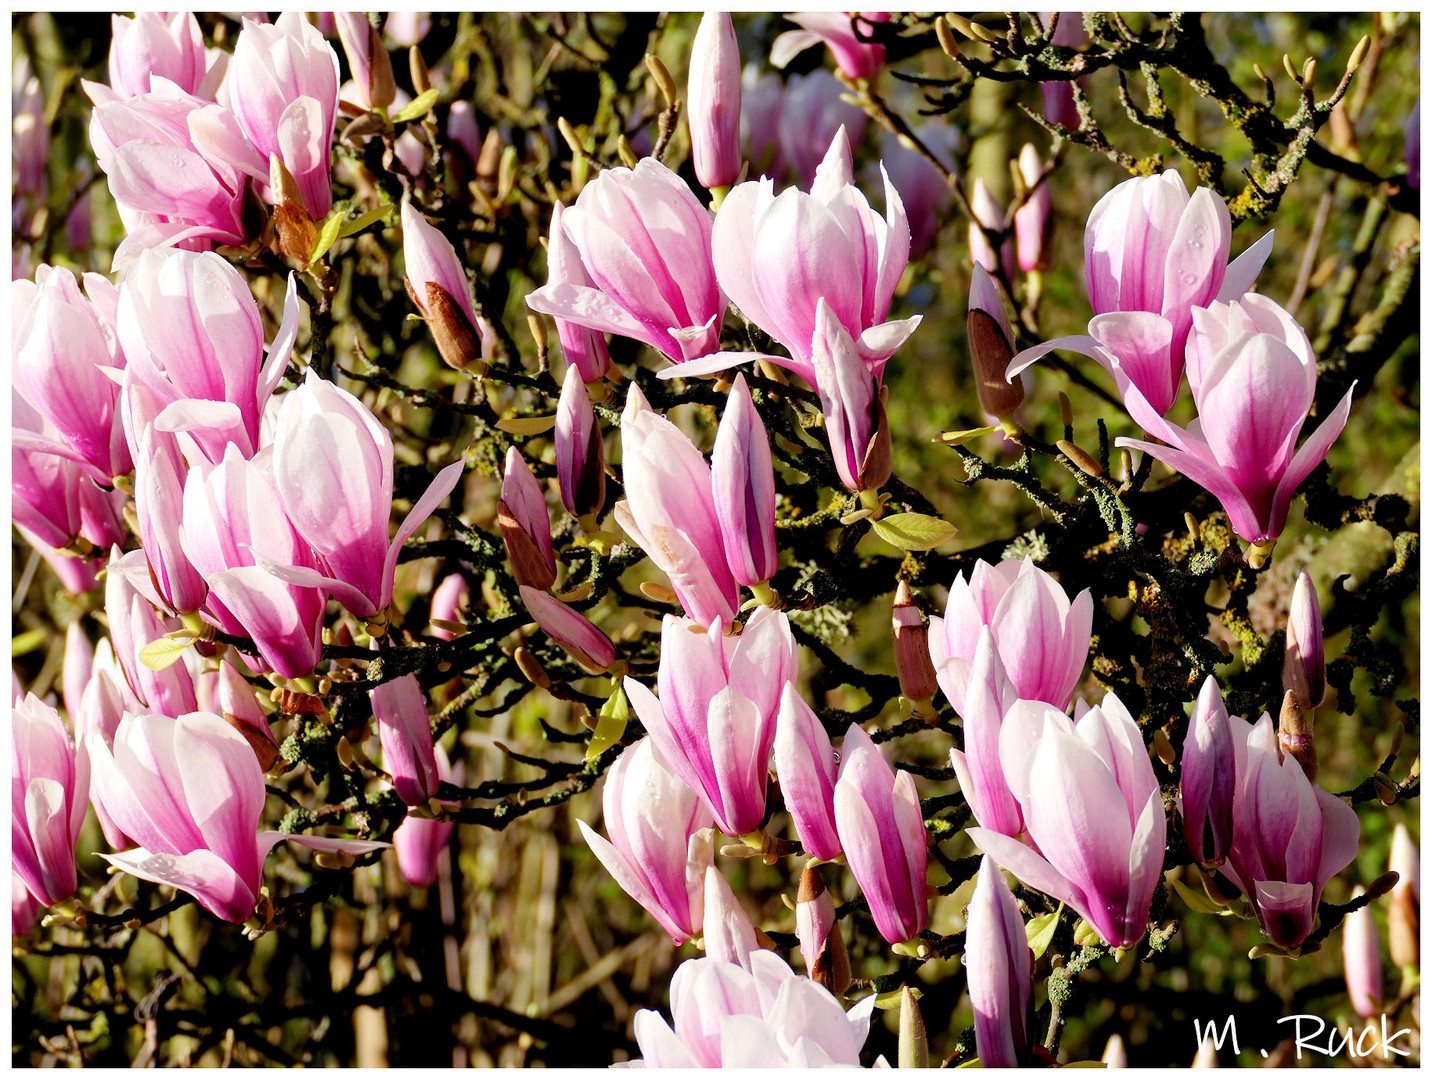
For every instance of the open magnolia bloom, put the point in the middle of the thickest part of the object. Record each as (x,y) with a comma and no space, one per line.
(728,1016)
(1253,375)
(190,792)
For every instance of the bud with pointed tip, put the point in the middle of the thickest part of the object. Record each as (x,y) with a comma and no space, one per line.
(581,459)
(713,91)
(583,642)
(914,1050)
(1402,902)
(1115,1055)
(988,217)
(440,289)
(367,58)
(991,346)
(1207,1055)
(1303,659)
(743,488)
(1295,734)
(406,736)
(1362,959)
(806,766)
(912,648)
(725,927)
(449,599)
(294,231)
(821,943)
(49,794)
(1032,220)
(997,962)
(1209,779)
(418,842)
(526,529)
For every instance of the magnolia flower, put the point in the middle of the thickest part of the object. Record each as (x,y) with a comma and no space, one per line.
(418,841)
(191,793)
(713,93)
(1209,778)
(169,46)
(715,722)
(807,768)
(645,242)
(1042,638)
(1067,777)
(856,58)
(1152,255)
(726,1016)
(878,819)
(660,840)
(987,697)
(401,713)
(435,280)
(49,793)
(1253,375)
(997,962)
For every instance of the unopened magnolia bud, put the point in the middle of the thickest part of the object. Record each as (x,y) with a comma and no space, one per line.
(531,669)
(529,564)
(456,339)
(1384,788)
(294,231)
(1295,735)
(1362,960)
(1163,748)
(381,87)
(418,69)
(912,651)
(1207,1056)
(1402,907)
(991,346)
(1081,457)
(662,77)
(1303,659)
(662,594)
(822,946)
(946,38)
(914,1050)
(1115,1055)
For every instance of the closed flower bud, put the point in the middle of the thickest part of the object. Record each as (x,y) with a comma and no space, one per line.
(49,794)
(367,59)
(821,943)
(406,736)
(806,767)
(743,487)
(1402,903)
(988,221)
(713,92)
(1032,220)
(441,291)
(589,647)
(294,231)
(997,962)
(581,459)
(726,929)
(526,529)
(1362,959)
(1208,779)
(449,600)
(912,648)
(1303,660)
(991,344)
(418,842)
(1295,734)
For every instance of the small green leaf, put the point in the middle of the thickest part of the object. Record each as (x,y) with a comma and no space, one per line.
(959,438)
(382,213)
(611,724)
(1197,901)
(162,652)
(417,107)
(973,1063)
(1040,931)
(327,233)
(527,425)
(913,532)
(891,999)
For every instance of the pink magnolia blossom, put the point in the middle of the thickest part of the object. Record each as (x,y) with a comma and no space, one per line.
(193,336)
(105,700)
(283,87)
(660,840)
(407,27)
(1067,777)
(856,59)
(997,961)
(812,113)
(726,930)
(151,43)
(987,697)
(991,342)
(726,1016)
(924,190)
(1152,255)
(877,815)
(77,667)
(988,214)
(1253,375)
(1289,835)
(1059,107)
(1209,778)
(713,95)
(581,459)
(191,793)
(29,134)
(418,842)
(448,603)
(133,624)
(406,736)
(53,496)
(743,486)
(333,464)
(807,768)
(584,346)
(367,56)
(62,345)
(235,529)
(645,242)
(715,722)
(24,908)
(1042,639)
(670,512)
(1032,220)
(177,166)
(49,794)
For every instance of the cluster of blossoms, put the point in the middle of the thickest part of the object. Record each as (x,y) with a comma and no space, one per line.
(260,493)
